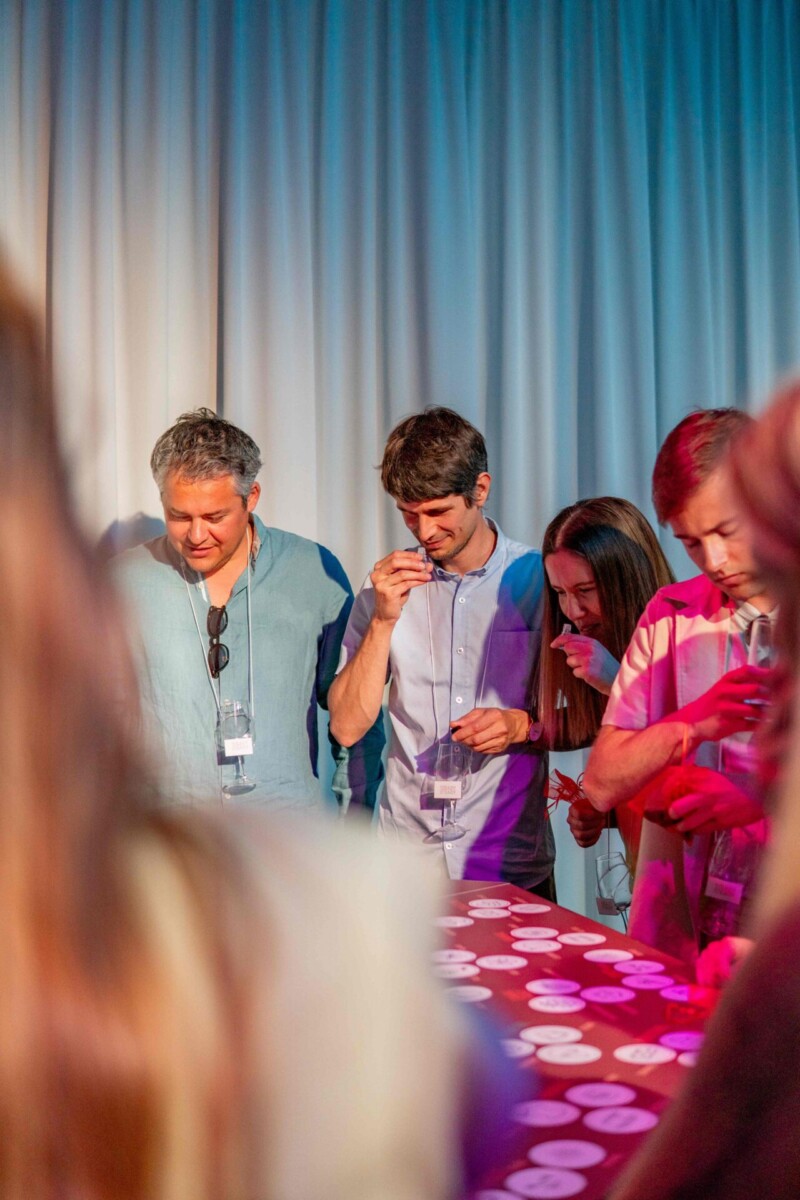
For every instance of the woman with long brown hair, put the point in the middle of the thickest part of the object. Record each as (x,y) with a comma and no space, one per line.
(602,564)
(190,1006)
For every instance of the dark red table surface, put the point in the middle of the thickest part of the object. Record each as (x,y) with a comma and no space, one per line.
(608,1039)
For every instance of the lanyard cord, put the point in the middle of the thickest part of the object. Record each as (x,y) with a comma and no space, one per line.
(480,695)
(201,585)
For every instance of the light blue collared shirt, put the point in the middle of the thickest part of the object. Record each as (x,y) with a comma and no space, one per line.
(463,643)
(300,600)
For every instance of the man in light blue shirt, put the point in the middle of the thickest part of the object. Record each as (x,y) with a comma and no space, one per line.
(239,632)
(455,628)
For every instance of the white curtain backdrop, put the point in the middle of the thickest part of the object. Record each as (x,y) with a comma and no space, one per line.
(571,220)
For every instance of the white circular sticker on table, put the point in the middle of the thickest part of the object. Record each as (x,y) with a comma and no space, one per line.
(546,1183)
(490,903)
(683,1039)
(545,1114)
(455,970)
(502,962)
(454,922)
(567,1152)
(638,966)
(530,908)
(620,1120)
(556,1004)
(453,956)
(648,983)
(608,955)
(574,1055)
(533,932)
(529,946)
(649,1053)
(515,1048)
(552,987)
(470,993)
(548,1035)
(489,914)
(600,1095)
(608,995)
(581,939)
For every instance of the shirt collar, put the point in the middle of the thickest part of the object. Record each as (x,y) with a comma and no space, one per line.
(493,562)
(744,613)
(256,546)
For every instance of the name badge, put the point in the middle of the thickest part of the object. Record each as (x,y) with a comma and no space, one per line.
(447,789)
(724,889)
(234,747)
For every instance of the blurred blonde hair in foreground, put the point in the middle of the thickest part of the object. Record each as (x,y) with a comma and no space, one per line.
(188,1010)
(765,464)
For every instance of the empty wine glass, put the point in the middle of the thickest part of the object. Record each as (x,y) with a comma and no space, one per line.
(237,740)
(761,651)
(449,781)
(613,885)
(761,648)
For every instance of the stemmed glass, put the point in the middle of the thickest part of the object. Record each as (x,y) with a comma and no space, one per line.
(761,648)
(234,724)
(449,779)
(613,885)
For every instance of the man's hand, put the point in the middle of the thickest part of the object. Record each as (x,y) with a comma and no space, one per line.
(711,802)
(393,578)
(588,659)
(585,823)
(733,705)
(491,730)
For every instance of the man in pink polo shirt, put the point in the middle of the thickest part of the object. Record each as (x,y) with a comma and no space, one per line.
(684,692)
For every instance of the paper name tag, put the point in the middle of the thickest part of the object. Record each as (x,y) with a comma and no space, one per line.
(236,746)
(447,789)
(724,889)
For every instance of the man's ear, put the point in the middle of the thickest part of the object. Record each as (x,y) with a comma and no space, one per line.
(252,499)
(483,485)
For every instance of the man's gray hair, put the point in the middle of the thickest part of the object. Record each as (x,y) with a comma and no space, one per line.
(201,445)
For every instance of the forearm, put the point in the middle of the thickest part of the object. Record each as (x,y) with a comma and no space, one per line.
(359,770)
(622,761)
(356,694)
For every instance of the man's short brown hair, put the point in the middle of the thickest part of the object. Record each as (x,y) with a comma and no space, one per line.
(690,453)
(432,454)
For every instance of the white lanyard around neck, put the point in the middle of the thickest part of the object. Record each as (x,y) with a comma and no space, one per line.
(200,584)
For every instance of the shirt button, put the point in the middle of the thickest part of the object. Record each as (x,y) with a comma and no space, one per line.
(462,600)
(460,650)
(459,699)
(448,845)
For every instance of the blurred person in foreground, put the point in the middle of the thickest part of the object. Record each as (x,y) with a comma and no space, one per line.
(185,1009)
(685,703)
(731,1134)
(602,565)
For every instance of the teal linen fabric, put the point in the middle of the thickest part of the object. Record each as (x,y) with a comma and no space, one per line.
(300,600)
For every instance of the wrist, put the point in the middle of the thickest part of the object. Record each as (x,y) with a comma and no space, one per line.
(518,722)
(531,729)
(383,626)
(688,738)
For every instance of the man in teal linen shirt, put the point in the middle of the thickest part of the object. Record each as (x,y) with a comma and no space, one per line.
(228,609)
